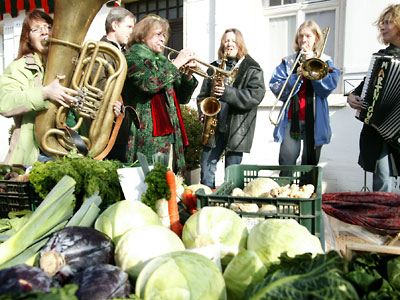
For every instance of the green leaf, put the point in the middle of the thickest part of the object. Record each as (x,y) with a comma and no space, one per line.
(303,277)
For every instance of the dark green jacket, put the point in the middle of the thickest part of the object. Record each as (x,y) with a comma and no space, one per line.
(150,73)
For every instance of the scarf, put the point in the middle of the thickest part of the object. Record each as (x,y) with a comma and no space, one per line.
(161,121)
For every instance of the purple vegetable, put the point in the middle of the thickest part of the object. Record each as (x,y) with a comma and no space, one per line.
(73,249)
(24,278)
(101,282)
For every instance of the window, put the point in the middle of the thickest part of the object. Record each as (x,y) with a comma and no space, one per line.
(172,10)
(284,2)
(283,22)
(168,9)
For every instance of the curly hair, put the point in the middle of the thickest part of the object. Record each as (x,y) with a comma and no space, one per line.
(394,16)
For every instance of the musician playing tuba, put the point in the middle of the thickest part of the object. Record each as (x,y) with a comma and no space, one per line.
(306,118)
(22,94)
(239,96)
(377,155)
(155,87)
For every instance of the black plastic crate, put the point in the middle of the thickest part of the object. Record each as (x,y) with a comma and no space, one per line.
(307,211)
(17,196)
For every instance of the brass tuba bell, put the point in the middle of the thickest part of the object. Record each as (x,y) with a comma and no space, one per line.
(68,57)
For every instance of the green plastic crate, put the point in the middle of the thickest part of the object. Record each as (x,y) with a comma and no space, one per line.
(306,211)
(17,196)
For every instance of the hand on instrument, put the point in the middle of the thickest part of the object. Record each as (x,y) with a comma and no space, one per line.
(56,92)
(219,90)
(117,108)
(184,56)
(354,101)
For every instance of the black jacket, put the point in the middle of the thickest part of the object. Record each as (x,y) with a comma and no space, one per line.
(237,118)
(371,142)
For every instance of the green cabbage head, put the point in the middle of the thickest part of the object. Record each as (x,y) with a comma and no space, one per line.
(244,269)
(181,275)
(123,216)
(139,245)
(216,225)
(272,237)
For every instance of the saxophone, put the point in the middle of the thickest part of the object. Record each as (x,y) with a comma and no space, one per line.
(211,106)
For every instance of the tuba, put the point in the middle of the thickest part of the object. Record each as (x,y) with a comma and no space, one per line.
(211,106)
(68,57)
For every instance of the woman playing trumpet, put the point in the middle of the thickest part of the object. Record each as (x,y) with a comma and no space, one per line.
(307,116)
(156,87)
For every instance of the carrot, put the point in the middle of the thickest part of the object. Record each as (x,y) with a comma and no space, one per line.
(173,205)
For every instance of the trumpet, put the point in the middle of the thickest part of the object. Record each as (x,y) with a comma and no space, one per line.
(184,69)
(312,69)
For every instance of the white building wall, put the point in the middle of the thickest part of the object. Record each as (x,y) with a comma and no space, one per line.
(204,24)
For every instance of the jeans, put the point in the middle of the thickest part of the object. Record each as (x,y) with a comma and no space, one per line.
(210,158)
(381,179)
(290,148)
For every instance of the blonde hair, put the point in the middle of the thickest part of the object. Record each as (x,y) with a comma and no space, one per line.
(145,26)
(313,26)
(394,16)
(242,49)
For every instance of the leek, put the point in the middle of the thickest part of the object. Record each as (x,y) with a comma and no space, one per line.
(56,207)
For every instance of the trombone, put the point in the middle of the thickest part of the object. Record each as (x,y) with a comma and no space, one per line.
(312,69)
(215,70)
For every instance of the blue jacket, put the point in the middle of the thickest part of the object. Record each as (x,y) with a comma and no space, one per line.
(322,89)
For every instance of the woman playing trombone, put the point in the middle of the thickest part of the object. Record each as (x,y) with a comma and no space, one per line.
(156,87)
(307,115)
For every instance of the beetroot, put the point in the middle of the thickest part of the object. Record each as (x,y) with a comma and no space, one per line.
(73,249)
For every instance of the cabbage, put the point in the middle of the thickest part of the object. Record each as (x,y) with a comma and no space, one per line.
(272,237)
(181,275)
(216,225)
(123,216)
(139,245)
(244,269)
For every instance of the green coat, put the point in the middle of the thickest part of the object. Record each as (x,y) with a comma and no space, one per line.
(20,98)
(150,73)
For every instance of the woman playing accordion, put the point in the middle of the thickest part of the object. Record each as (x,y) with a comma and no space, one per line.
(378,154)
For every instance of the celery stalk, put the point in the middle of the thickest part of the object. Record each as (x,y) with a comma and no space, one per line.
(55,208)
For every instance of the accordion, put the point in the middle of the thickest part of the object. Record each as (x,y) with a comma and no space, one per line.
(381,94)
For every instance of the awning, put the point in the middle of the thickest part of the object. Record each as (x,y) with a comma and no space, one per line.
(14,6)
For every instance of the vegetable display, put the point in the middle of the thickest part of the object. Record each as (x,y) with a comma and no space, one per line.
(67,250)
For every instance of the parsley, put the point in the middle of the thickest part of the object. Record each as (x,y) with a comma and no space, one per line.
(157,187)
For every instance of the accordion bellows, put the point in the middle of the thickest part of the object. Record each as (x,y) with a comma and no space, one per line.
(381,94)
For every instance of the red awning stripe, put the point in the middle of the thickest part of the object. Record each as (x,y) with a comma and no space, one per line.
(13,7)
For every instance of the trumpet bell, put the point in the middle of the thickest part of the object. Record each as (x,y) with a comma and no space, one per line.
(314,69)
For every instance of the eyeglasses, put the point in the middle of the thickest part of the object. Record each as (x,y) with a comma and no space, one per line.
(41,28)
